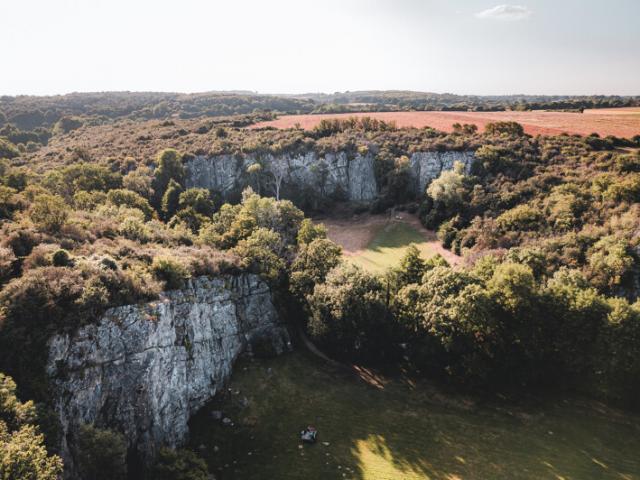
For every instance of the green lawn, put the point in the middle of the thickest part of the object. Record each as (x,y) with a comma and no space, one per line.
(403,431)
(389,245)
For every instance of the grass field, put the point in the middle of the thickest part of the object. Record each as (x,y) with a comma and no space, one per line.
(377,242)
(403,430)
(621,122)
(389,245)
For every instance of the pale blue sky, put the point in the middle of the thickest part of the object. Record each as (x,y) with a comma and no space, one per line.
(294,46)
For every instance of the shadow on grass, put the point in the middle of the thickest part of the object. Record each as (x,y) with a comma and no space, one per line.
(400,432)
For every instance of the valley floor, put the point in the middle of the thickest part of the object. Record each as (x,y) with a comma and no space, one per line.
(386,428)
(377,242)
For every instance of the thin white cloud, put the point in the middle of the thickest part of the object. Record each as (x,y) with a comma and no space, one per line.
(506,13)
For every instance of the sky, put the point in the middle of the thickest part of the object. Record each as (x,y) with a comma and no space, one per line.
(482,47)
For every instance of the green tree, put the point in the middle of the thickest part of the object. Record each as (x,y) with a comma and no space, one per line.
(312,264)
(22,450)
(263,253)
(310,231)
(168,167)
(450,187)
(171,199)
(350,316)
(199,199)
(412,267)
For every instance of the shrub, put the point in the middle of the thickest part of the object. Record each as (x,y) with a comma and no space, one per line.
(520,218)
(100,454)
(504,128)
(61,258)
(7,259)
(9,202)
(127,198)
(23,454)
(49,212)
(170,271)
(8,149)
(66,125)
(199,199)
(88,201)
(139,181)
(179,465)
(309,232)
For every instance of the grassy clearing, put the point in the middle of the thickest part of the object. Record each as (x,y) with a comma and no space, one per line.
(403,431)
(388,246)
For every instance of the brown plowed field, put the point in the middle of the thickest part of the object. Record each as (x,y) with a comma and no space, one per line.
(621,122)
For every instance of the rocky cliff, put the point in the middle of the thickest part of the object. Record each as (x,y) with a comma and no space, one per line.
(337,176)
(144,370)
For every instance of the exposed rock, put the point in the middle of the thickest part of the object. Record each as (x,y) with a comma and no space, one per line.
(334,175)
(144,370)
(426,166)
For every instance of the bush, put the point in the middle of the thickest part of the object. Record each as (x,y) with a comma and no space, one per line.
(127,198)
(179,465)
(61,258)
(8,149)
(49,212)
(22,450)
(199,199)
(7,259)
(66,125)
(170,271)
(100,454)
(520,218)
(504,128)
(9,202)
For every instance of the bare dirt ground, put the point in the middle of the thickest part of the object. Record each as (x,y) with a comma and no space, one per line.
(355,233)
(621,122)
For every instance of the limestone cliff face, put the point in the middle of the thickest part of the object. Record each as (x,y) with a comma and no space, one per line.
(144,370)
(425,166)
(334,175)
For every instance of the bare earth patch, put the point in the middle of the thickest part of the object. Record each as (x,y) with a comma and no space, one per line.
(621,122)
(357,235)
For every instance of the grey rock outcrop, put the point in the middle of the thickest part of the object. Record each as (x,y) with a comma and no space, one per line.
(144,370)
(426,166)
(334,175)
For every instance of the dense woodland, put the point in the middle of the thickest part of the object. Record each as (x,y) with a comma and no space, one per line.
(548,228)
(64,112)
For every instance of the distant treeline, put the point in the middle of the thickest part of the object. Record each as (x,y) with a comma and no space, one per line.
(420,101)
(31,112)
